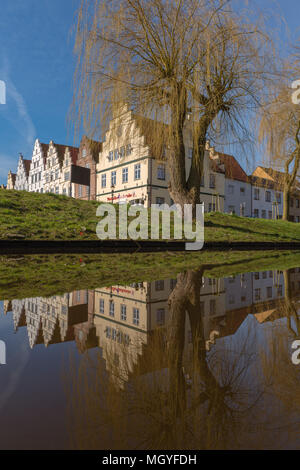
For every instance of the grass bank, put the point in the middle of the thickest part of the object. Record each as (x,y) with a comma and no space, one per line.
(46,275)
(34,216)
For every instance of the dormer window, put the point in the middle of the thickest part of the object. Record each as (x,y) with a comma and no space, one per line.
(128,149)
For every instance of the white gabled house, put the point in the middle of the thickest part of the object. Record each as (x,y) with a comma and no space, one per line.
(21,181)
(37,167)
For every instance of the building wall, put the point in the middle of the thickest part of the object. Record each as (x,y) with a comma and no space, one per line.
(10,180)
(52,175)
(88,157)
(237,197)
(65,186)
(295,207)
(37,168)
(261,207)
(21,182)
(144,184)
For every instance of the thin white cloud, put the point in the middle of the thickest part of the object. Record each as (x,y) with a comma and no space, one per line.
(15,111)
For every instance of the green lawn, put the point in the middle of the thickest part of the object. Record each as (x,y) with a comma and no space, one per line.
(35,216)
(46,275)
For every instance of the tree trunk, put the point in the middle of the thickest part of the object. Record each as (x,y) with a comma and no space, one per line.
(180,189)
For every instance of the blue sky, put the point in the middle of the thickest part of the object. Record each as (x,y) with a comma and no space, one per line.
(37,65)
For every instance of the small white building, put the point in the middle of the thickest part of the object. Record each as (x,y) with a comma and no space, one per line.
(57,175)
(21,182)
(267,196)
(66,187)
(237,187)
(37,167)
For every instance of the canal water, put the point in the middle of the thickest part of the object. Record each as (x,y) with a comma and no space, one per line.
(190,362)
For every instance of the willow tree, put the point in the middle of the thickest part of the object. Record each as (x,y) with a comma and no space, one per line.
(194,65)
(280,131)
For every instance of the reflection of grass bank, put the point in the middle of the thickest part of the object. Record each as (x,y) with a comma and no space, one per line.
(35,216)
(34,276)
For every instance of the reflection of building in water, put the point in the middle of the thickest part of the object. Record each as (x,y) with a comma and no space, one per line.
(85,332)
(124,320)
(50,320)
(125,315)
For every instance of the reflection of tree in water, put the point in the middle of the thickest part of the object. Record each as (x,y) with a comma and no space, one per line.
(161,406)
(282,377)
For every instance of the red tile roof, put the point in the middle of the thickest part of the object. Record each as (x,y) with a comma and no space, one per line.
(233,169)
(27,164)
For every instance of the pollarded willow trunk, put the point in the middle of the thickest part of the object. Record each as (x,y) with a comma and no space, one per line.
(181,191)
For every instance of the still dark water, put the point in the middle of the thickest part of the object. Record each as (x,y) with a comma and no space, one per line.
(192,362)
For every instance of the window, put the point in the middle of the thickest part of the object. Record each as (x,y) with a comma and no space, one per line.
(230,189)
(123,312)
(84,152)
(231,209)
(137,171)
(264,275)
(122,152)
(270,214)
(125,175)
(128,149)
(161,172)
(297,203)
(80,190)
(101,305)
(212,306)
(190,152)
(57,190)
(212,181)
(268,196)
(160,316)
(110,156)
(113,178)
(160,200)
(116,154)
(159,285)
(279,291)
(278,197)
(202,181)
(242,190)
(64,191)
(136,316)
(264,214)
(292,202)
(257,294)
(231,299)
(67,176)
(103,180)
(269,292)
(256,276)
(256,213)
(256,194)
(111,308)
(87,191)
